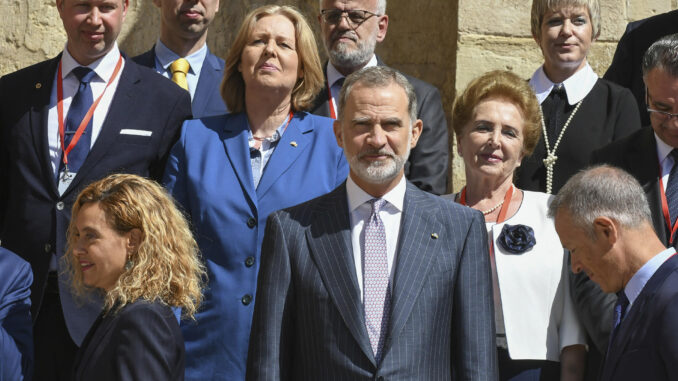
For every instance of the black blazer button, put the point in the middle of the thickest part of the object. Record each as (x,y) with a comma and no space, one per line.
(251,222)
(246,300)
(249,262)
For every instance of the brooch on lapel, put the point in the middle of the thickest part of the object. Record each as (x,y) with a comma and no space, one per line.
(293,143)
(516,239)
(434,235)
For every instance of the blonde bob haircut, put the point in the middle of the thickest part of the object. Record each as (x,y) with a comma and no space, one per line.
(307,86)
(500,84)
(540,7)
(166,267)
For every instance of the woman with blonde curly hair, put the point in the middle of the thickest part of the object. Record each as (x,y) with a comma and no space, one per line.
(230,172)
(127,240)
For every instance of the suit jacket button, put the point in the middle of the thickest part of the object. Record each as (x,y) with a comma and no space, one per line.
(60,205)
(251,222)
(48,248)
(247,299)
(249,262)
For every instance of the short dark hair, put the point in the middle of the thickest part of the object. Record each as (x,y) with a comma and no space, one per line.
(662,54)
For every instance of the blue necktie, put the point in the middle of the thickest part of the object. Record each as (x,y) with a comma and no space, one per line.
(619,312)
(672,188)
(80,104)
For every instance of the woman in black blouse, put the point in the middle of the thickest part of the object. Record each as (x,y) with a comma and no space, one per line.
(581,111)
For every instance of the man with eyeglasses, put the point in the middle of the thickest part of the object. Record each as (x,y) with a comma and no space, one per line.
(651,156)
(350,32)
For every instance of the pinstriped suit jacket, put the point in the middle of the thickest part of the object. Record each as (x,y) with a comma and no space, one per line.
(308,318)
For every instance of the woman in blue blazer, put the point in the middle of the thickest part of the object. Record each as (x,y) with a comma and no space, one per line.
(128,240)
(230,172)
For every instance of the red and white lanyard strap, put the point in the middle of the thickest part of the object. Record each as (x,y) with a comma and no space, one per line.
(665,208)
(86,119)
(333,114)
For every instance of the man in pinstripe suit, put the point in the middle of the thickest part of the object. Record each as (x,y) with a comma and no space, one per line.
(376,280)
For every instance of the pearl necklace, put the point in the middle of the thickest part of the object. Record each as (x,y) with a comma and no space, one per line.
(551,158)
(492,209)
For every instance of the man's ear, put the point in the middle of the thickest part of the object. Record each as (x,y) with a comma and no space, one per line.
(382,28)
(417,127)
(605,228)
(338,133)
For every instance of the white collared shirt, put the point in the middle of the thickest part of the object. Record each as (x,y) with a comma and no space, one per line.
(664,159)
(164,58)
(390,214)
(103,67)
(333,75)
(576,87)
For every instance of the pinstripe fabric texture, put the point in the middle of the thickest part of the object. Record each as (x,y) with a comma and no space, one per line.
(309,320)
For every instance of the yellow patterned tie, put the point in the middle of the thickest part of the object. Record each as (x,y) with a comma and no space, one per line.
(179,69)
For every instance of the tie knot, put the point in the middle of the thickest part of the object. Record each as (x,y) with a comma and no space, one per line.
(339,82)
(181,65)
(674,155)
(84,74)
(377,204)
(622,300)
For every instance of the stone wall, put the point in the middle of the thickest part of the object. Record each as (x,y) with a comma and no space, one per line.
(444,42)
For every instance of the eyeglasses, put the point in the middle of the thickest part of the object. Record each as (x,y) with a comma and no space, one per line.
(354,16)
(663,115)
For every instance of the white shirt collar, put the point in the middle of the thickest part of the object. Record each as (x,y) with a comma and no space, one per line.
(103,67)
(333,74)
(356,196)
(663,149)
(576,87)
(166,56)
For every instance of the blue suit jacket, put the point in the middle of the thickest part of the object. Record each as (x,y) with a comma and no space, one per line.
(207,99)
(16,332)
(33,216)
(210,174)
(309,319)
(141,341)
(646,345)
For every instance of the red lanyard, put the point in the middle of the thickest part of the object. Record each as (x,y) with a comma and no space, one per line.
(665,207)
(333,114)
(85,120)
(288,121)
(502,212)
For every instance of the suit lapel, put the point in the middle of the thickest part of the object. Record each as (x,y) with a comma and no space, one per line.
(329,239)
(101,325)
(636,315)
(210,77)
(287,151)
(123,107)
(237,150)
(415,255)
(39,119)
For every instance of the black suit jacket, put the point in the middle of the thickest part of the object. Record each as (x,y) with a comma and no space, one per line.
(428,164)
(646,344)
(33,215)
(207,99)
(625,68)
(141,341)
(636,154)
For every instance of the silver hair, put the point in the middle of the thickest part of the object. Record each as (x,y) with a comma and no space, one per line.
(381,6)
(602,190)
(378,76)
(662,54)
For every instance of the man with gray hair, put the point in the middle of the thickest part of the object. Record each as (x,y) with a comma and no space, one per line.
(603,219)
(377,279)
(649,155)
(350,31)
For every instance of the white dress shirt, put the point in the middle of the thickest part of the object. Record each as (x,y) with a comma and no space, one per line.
(103,67)
(390,214)
(576,87)
(333,75)
(164,58)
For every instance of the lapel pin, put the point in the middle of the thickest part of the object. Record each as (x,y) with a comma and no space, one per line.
(38,85)
(434,235)
(293,143)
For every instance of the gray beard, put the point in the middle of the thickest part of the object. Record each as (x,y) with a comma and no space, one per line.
(342,57)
